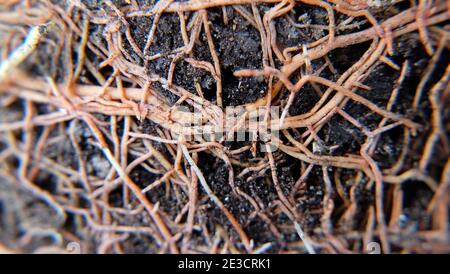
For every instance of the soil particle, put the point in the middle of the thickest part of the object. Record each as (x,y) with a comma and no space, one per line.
(99,166)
